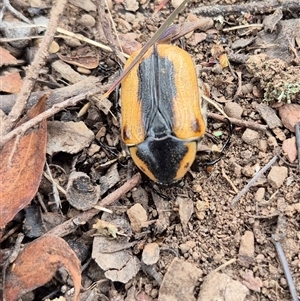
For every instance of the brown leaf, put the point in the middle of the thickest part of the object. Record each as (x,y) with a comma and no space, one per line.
(6,58)
(216,51)
(88,61)
(290,115)
(11,83)
(37,264)
(21,165)
(223,59)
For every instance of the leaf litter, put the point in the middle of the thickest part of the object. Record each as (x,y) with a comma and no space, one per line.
(218,231)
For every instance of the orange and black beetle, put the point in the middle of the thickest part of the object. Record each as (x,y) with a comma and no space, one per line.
(162,117)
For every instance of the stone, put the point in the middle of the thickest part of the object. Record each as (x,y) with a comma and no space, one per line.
(232,109)
(277,176)
(268,115)
(260,194)
(251,137)
(185,247)
(87,20)
(289,149)
(246,251)
(137,216)
(179,282)
(150,253)
(220,287)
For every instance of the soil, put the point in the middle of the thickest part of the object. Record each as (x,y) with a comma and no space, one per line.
(210,232)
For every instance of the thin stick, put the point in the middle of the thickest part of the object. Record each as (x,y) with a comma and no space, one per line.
(224,265)
(240,122)
(48,113)
(297,132)
(253,7)
(275,214)
(12,257)
(71,225)
(57,96)
(33,72)
(8,6)
(229,180)
(214,104)
(239,89)
(242,26)
(253,180)
(285,267)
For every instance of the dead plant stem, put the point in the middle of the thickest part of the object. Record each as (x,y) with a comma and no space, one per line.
(253,7)
(34,69)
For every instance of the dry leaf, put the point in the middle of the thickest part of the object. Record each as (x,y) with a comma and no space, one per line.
(88,61)
(105,228)
(69,137)
(6,58)
(216,51)
(21,166)
(81,193)
(11,83)
(37,264)
(223,59)
(290,115)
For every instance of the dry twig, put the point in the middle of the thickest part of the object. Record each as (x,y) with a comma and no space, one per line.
(254,7)
(6,5)
(229,181)
(71,225)
(253,180)
(33,72)
(57,95)
(297,131)
(276,239)
(12,257)
(239,122)
(48,113)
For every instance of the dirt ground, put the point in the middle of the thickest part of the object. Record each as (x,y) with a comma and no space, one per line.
(196,223)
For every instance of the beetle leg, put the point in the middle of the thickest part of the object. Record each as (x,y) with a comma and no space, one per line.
(197,164)
(225,146)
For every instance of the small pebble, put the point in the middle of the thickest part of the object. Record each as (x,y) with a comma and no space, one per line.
(129,17)
(260,194)
(277,176)
(269,116)
(251,137)
(260,258)
(232,109)
(272,141)
(87,21)
(154,293)
(93,149)
(137,216)
(248,171)
(289,149)
(263,145)
(131,5)
(83,70)
(187,246)
(246,251)
(176,3)
(150,253)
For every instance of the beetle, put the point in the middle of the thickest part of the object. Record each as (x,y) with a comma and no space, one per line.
(163,118)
